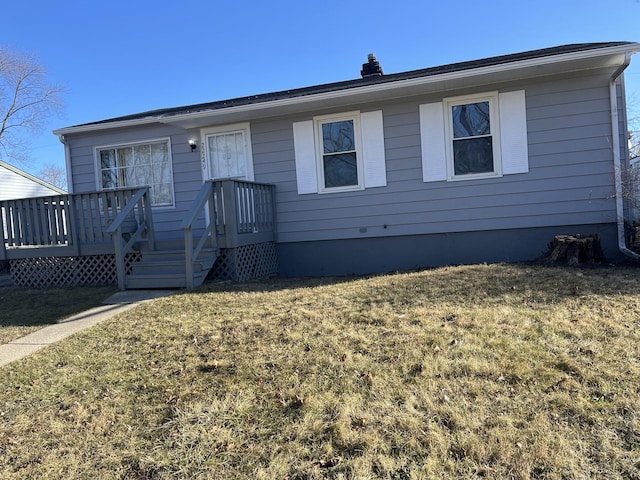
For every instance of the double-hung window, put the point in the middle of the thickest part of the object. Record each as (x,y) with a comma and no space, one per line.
(340,154)
(474,137)
(471,147)
(137,165)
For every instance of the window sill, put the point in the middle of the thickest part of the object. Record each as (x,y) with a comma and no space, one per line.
(356,188)
(474,176)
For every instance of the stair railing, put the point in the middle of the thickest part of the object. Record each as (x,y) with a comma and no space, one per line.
(138,207)
(205,197)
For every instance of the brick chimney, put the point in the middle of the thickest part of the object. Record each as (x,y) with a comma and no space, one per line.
(372,68)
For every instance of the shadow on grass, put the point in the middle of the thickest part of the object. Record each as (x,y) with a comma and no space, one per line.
(21,307)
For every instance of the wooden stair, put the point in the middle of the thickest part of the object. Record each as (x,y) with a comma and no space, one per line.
(167,269)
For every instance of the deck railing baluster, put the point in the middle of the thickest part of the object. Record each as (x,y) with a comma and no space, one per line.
(62,225)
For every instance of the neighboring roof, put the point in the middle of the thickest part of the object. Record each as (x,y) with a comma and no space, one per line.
(30,177)
(581,50)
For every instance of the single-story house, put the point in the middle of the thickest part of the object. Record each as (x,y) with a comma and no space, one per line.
(16,183)
(479,161)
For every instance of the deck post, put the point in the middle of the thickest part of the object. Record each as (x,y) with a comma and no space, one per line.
(148,220)
(71,227)
(3,249)
(119,258)
(272,216)
(188,256)
(230,212)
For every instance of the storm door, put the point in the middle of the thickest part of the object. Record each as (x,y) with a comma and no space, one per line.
(227,153)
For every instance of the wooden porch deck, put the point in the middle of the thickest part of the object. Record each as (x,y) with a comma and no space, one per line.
(114,230)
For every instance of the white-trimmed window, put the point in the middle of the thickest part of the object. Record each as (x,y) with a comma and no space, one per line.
(472,129)
(340,153)
(137,165)
(475,136)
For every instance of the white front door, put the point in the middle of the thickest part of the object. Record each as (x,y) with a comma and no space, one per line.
(227,152)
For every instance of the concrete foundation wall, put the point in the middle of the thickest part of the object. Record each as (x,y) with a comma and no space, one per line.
(386,254)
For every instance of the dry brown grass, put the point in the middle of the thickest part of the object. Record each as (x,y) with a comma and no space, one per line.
(23,311)
(488,371)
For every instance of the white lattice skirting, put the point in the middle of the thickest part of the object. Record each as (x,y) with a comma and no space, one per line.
(246,263)
(59,272)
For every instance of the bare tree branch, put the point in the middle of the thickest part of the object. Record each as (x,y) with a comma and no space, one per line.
(54,174)
(27,101)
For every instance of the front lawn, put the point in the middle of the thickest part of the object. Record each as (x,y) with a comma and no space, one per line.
(487,371)
(23,311)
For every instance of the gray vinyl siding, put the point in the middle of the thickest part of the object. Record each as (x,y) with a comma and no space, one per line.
(570,181)
(187,174)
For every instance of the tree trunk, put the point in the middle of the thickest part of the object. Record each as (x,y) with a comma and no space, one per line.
(574,250)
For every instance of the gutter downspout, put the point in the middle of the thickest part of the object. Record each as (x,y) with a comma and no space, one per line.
(67,161)
(617,165)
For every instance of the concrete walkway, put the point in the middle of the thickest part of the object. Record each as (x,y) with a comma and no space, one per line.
(117,303)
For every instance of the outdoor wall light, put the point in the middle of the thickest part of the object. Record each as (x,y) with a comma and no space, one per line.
(192,144)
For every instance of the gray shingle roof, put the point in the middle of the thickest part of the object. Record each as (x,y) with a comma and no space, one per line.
(359,82)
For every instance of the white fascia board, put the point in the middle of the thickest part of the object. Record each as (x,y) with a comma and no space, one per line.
(106,125)
(364,90)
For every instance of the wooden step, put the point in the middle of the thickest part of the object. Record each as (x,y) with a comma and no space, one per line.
(167,269)
(162,280)
(160,267)
(175,254)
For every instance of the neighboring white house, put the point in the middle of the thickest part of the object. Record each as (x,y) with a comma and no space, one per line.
(16,183)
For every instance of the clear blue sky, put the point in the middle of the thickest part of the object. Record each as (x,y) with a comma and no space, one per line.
(119,57)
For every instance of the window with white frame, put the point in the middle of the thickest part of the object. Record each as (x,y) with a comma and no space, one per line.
(136,165)
(475,136)
(340,153)
(471,130)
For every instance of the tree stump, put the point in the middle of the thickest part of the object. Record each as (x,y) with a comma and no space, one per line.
(574,250)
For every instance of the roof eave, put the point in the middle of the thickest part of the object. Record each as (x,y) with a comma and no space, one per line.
(613,56)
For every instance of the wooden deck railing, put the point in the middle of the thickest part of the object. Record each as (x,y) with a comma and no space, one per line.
(239,213)
(205,198)
(226,214)
(134,220)
(37,222)
(66,225)
(245,212)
